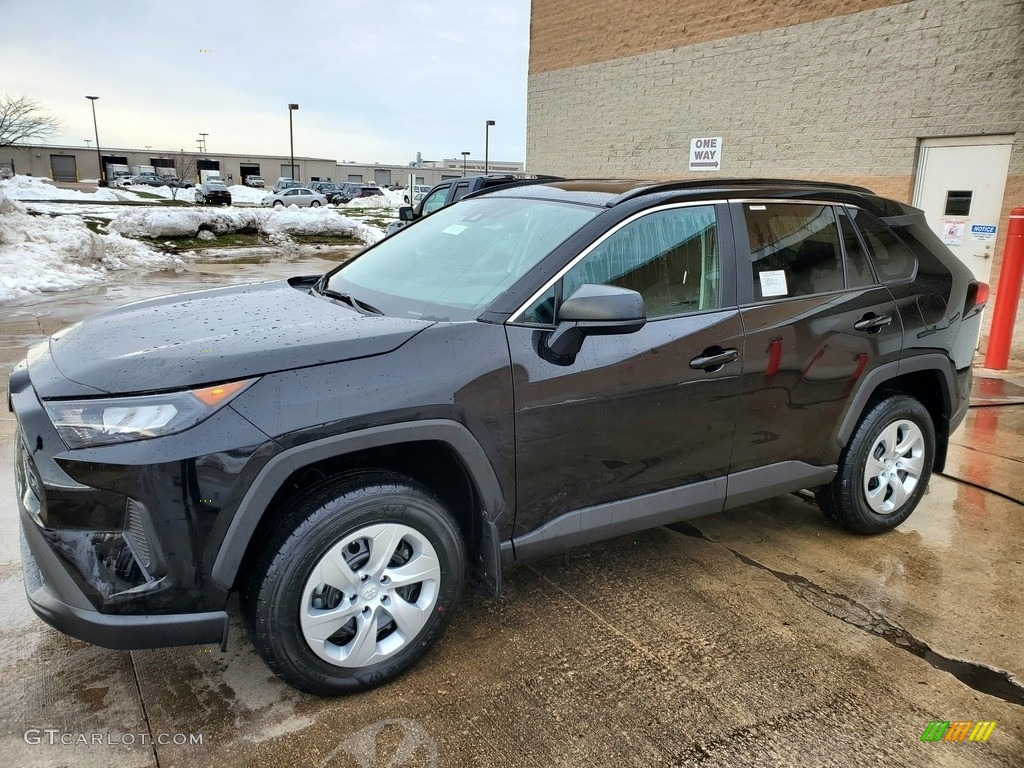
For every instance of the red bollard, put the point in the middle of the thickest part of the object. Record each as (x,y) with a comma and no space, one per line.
(1007,295)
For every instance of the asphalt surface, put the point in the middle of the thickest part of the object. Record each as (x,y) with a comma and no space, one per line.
(764,636)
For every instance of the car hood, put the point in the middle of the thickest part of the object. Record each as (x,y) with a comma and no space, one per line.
(190,339)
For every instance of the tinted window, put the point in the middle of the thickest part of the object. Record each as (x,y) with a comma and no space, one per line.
(669,257)
(461,190)
(794,249)
(858,268)
(891,258)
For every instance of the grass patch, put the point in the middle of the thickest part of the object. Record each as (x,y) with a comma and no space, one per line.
(326,240)
(96,225)
(148,195)
(233,240)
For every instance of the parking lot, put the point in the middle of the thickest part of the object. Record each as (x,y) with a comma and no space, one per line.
(764,636)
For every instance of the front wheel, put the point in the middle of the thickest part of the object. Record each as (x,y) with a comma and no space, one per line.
(278,204)
(355,584)
(884,469)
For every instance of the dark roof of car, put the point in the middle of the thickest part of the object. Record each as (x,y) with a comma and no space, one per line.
(611,192)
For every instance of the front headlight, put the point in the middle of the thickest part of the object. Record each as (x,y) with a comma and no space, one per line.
(100,421)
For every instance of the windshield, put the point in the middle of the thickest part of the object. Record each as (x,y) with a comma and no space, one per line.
(455,262)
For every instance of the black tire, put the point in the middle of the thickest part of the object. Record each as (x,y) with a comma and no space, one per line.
(311,525)
(278,204)
(315,204)
(847,496)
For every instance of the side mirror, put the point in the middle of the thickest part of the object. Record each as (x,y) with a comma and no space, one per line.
(596,310)
(405,213)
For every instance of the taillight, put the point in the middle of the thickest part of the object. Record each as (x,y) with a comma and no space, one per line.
(977,297)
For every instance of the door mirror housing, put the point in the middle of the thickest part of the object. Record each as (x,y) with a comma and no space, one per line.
(596,310)
(405,213)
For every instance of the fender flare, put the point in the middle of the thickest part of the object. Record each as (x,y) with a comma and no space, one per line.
(883,373)
(273,475)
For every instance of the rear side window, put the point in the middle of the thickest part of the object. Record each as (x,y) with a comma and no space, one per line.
(893,261)
(794,249)
(461,189)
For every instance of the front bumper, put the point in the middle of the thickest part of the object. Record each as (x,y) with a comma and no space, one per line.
(59,602)
(117,540)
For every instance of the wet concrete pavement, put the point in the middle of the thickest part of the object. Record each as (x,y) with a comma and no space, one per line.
(764,636)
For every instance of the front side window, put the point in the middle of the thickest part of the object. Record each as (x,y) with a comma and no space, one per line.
(794,249)
(670,257)
(435,201)
(451,265)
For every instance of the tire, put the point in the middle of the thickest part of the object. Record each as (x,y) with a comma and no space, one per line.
(315,204)
(278,204)
(884,469)
(325,556)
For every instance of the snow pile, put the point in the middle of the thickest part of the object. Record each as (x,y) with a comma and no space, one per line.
(188,222)
(377,201)
(252,195)
(35,188)
(38,253)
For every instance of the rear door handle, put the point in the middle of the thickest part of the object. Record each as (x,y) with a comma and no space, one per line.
(873,323)
(713,358)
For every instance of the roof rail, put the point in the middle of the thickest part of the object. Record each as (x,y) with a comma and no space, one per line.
(734,182)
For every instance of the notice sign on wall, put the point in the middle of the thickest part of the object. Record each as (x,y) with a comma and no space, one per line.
(706,154)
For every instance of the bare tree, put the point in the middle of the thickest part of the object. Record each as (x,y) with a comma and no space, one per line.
(185,170)
(22,120)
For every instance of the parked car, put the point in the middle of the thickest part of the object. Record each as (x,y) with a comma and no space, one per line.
(537,367)
(174,181)
(453,190)
(122,181)
(213,193)
(328,189)
(299,196)
(254,181)
(285,183)
(349,190)
(149,180)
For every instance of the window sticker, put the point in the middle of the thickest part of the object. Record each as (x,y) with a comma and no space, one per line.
(773,283)
(454,229)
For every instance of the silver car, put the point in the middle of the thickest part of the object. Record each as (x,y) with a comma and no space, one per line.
(299,196)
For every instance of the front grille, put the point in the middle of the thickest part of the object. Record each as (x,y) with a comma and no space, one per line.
(135,533)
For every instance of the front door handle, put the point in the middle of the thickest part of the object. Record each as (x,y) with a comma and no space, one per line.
(713,358)
(873,323)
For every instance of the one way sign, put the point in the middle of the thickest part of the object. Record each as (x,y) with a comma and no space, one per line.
(706,154)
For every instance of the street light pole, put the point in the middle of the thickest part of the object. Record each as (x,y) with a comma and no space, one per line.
(99,157)
(464,156)
(487,132)
(291,139)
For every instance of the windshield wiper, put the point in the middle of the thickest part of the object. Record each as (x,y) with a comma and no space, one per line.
(361,306)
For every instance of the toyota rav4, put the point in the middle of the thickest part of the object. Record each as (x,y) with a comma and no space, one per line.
(529,369)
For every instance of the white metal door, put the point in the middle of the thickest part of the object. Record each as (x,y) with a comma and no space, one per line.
(959,185)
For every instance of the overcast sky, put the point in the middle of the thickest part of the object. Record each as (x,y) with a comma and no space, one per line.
(375,80)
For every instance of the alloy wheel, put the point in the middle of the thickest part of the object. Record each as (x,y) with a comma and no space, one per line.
(894,466)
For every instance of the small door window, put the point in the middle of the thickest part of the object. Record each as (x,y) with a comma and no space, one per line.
(670,257)
(958,202)
(461,189)
(794,249)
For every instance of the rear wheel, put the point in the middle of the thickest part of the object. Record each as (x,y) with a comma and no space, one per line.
(355,584)
(884,469)
(315,204)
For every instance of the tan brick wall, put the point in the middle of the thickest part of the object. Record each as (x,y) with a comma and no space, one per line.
(569,33)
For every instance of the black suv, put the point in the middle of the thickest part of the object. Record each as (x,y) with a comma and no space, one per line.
(533,368)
